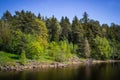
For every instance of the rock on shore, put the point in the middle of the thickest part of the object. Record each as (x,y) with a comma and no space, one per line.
(32,65)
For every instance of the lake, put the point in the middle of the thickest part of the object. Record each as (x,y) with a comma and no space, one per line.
(102,71)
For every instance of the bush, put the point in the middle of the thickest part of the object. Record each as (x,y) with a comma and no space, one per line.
(23,58)
(34,50)
(60,57)
(16,42)
(102,47)
(53,48)
(61,51)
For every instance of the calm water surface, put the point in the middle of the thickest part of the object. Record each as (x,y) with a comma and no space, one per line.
(102,71)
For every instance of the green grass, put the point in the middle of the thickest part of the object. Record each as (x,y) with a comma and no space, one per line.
(46,59)
(13,59)
(8,58)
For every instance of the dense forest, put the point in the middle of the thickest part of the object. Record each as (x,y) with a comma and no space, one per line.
(34,36)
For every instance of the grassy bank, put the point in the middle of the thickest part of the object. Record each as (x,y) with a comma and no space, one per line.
(13,59)
(8,58)
(10,62)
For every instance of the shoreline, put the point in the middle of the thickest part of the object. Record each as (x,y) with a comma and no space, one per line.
(42,65)
(105,61)
(36,65)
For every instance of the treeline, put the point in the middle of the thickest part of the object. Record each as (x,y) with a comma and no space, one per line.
(38,36)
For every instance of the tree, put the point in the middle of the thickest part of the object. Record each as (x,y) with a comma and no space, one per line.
(23,58)
(17,42)
(7,16)
(54,29)
(78,35)
(77,31)
(15,33)
(5,35)
(66,29)
(92,30)
(94,26)
(87,49)
(40,29)
(85,18)
(34,50)
(102,48)
(39,16)
(36,34)
(25,21)
(104,30)
(115,52)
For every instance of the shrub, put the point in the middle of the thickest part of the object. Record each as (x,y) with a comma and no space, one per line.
(61,51)
(23,58)
(102,47)
(34,50)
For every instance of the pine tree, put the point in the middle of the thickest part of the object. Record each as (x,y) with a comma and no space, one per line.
(54,29)
(66,29)
(85,18)
(7,16)
(39,16)
(78,35)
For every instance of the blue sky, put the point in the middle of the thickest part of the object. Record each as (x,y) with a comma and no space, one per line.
(105,11)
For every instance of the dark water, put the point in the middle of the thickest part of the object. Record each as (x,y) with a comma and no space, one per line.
(102,71)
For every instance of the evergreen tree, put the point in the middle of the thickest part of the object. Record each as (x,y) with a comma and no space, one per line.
(7,16)
(25,21)
(5,35)
(39,16)
(26,31)
(85,18)
(105,30)
(54,29)
(78,35)
(66,29)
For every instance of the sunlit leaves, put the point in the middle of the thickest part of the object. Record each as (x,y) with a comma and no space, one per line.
(102,47)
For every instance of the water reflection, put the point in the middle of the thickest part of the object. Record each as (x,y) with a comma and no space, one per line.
(104,71)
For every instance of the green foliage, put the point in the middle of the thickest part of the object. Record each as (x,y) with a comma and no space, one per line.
(66,29)
(47,37)
(41,29)
(78,36)
(8,58)
(34,50)
(115,52)
(7,16)
(54,29)
(55,52)
(77,31)
(61,51)
(15,43)
(25,21)
(4,33)
(85,18)
(23,58)
(87,49)
(102,47)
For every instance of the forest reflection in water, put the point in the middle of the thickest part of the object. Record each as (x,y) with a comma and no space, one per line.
(102,71)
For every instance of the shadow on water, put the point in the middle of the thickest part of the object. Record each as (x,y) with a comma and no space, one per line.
(103,71)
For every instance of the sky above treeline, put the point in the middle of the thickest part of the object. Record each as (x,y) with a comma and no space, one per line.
(105,11)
